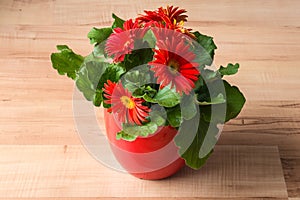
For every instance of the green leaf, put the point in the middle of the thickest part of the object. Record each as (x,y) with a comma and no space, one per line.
(138,57)
(99,35)
(134,79)
(112,73)
(235,101)
(215,100)
(88,78)
(230,69)
(165,97)
(63,48)
(144,91)
(92,57)
(125,136)
(188,107)
(92,76)
(66,61)
(150,38)
(198,84)
(190,141)
(174,116)
(205,53)
(209,75)
(158,117)
(98,98)
(99,52)
(203,94)
(118,22)
(84,85)
(142,130)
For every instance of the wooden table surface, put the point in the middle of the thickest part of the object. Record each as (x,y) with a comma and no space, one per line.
(257,156)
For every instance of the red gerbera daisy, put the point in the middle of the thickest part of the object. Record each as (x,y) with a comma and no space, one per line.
(173,64)
(170,18)
(121,42)
(118,45)
(136,29)
(168,15)
(127,108)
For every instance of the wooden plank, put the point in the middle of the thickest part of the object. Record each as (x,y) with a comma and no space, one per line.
(232,171)
(150,198)
(270,123)
(265,123)
(291,167)
(59,12)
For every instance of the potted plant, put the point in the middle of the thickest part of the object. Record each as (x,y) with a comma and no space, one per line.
(164,102)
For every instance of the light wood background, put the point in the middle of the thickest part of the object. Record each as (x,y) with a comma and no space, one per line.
(258,154)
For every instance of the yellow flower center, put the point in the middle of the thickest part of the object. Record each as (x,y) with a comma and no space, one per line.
(174,66)
(127,44)
(127,102)
(181,23)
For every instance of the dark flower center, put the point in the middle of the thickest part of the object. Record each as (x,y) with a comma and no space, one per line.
(173,66)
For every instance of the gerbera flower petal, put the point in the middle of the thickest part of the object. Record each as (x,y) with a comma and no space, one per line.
(118,45)
(173,63)
(168,14)
(121,42)
(126,108)
(169,18)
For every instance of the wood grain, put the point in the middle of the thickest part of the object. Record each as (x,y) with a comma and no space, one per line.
(36,103)
(69,171)
(153,198)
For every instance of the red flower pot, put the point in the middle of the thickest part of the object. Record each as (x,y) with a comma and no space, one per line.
(153,157)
